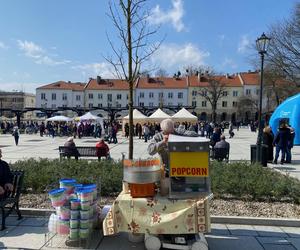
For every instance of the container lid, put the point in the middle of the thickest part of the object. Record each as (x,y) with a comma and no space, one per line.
(89,186)
(57,191)
(75,200)
(84,191)
(67,180)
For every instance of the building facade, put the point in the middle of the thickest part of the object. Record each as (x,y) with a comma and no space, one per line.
(160,92)
(17,100)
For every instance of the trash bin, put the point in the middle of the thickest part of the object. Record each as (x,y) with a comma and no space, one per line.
(263,159)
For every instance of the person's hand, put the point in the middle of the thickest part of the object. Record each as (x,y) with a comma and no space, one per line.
(8,187)
(1,190)
(165,139)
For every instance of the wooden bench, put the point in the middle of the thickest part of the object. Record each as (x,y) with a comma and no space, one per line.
(83,152)
(11,201)
(220,154)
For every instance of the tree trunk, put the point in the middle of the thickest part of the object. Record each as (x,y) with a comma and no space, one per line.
(130,79)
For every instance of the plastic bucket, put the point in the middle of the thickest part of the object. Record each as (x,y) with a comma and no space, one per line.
(85,205)
(74,223)
(75,204)
(63,227)
(57,197)
(74,233)
(93,187)
(84,233)
(85,214)
(69,184)
(84,223)
(85,195)
(64,213)
(74,214)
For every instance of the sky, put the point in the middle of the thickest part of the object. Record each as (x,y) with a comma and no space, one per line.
(42,42)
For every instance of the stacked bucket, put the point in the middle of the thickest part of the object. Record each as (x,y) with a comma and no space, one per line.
(76,209)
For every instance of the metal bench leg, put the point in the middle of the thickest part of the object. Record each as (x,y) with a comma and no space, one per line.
(18,211)
(3,218)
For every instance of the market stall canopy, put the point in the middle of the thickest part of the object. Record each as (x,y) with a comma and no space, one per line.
(287,112)
(59,118)
(158,116)
(89,116)
(138,117)
(184,116)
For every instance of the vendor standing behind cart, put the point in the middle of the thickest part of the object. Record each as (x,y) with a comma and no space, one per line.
(159,143)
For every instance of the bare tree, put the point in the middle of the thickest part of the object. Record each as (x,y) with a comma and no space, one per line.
(130,18)
(284,49)
(213,92)
(247,103)
(161,73)
(192,70)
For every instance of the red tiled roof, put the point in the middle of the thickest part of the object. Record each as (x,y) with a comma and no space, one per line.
(250,78)
(107,84)
(64,85)
(228,81)
(161,83)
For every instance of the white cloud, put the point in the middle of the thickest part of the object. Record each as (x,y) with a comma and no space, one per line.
(3,46)
(244,44)
(174,55)
(173,16)
(94,69)
(229,63)
(40,56)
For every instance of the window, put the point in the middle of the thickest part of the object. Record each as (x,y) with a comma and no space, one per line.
(203,103)
(234,104)
(78,97)
(99,105)
(248,91)
(257,92)
(109,97)
(78,106)
(14,99)
(180,104)
(160,95)
(225,93)
(170,104)
(119,96)
(204,93)
(235,93)
(141,94)
(100,96)
(170,95)
(91,96)
(141,104)
(224,104)
(194,103)
(90,105)
(64,96)
(118,105)
(127,97)
(180,95)
(194,92)
(150,104)
(151,95)
(43,96)
(53,106)
(44,105)
(109,105)
(53,96)
(64,105)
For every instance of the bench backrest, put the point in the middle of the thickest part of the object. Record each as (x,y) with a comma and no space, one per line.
(17,182)
(83,151)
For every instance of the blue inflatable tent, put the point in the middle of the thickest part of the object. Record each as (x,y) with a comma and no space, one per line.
(289,112)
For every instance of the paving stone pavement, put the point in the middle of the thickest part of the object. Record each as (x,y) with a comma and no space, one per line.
(32,233)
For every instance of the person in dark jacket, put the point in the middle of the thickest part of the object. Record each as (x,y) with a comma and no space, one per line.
(281,141)
(71,149)
(216,137)
(5,177)
(290,146)
(268,138)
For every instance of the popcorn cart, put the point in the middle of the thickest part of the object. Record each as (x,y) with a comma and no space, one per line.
(176,220)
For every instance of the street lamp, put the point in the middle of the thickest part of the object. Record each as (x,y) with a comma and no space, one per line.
(262,44)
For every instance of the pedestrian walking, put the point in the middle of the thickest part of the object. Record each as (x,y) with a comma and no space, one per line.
(16,135)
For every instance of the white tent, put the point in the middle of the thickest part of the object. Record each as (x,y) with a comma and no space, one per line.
(59,118)
(138,117)
(90,117)
(158,116)
(184,116)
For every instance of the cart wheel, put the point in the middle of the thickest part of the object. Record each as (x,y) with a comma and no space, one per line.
(152,243)
(200,245)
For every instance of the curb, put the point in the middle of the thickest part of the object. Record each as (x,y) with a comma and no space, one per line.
(261,221)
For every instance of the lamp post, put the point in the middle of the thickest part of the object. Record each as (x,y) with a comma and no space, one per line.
(262,44)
